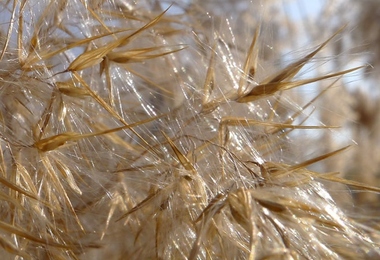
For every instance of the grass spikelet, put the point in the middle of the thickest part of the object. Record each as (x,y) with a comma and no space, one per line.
(94,57)
(142,130)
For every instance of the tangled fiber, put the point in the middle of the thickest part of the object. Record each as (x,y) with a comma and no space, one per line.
(144,130)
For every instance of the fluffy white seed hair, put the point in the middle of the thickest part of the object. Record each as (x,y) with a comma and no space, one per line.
(157,130)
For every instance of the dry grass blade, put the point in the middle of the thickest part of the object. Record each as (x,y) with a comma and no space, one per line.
(3,166)
(281,80)
(96,56)
(181,157)
(131,169)
(117,139)
(273,206)
(208,85)
(236,121)
(45,54)
(291,70)
(15,187)
(330,176)
(92,57)
(317,159)
(25,176)
(69,89)
(355,184)
(241,208)
(250,64)
(137,55)
(240,205)
(26,234)
(265,90)
(56,141)
(214,206)
(213,104)
(68,175)
(276,202)
(45,118)
(145,27)
(105,68)
(160,194)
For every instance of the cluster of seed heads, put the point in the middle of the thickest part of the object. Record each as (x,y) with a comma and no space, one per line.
(128,131)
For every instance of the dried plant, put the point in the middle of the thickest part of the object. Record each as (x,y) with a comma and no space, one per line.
(155,131)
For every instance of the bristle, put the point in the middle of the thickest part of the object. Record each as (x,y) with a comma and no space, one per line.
(152,131)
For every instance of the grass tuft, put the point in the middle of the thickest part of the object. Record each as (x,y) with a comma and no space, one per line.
(133,130)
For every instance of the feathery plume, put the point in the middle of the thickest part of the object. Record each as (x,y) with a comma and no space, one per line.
(153,131)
